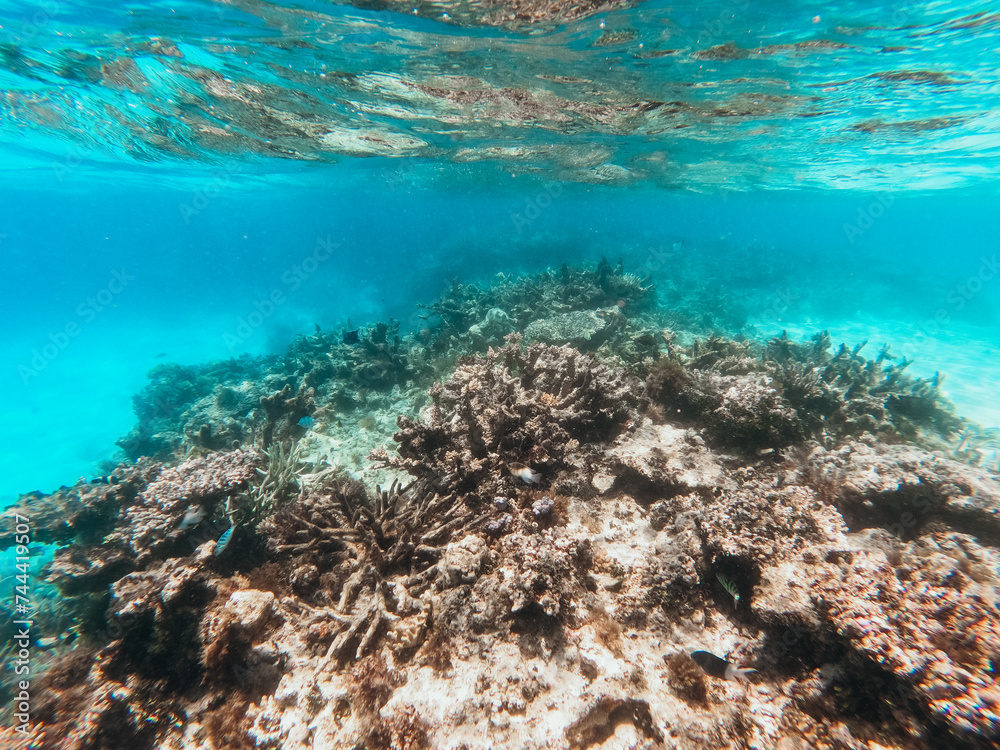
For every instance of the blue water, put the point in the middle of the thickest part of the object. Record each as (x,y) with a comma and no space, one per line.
(171,169)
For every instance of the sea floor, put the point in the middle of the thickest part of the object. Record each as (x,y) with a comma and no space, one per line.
(584,399)
(608,534)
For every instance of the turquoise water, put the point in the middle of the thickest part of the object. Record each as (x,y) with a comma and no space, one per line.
(209,210)
(168,167)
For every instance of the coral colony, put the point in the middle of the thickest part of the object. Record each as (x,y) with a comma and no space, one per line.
(559,515)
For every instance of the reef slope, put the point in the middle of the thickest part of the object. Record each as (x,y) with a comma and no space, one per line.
(534,558)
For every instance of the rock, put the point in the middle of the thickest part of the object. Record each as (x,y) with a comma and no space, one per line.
(462,561)
(904,488)
(664,459)
(250,610)
(494,327)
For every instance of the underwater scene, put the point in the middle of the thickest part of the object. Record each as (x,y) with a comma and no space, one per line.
(474,374)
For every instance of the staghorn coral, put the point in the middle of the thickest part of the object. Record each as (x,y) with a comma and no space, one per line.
(531,406)
(388,546)
(783,392)
(277,484)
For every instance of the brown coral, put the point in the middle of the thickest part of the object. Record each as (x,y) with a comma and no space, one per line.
(933,631)
(530,406)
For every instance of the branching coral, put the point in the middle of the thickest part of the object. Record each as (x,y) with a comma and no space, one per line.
(770,396)
(278,483)
(390,545)
(514,405)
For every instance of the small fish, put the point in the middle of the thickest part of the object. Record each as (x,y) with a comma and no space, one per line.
(351,337)
(525,474)
(193,517)
(730,587)
(307,422)
(220,546)
(161,355)
(716,667)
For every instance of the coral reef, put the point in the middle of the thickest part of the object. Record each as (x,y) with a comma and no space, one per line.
(753,396)
(566,537)
(533,406)
(606,306)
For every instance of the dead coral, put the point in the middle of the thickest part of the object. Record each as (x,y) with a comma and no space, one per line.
(904,488)
(775,395)
(471,317)
(154,519)
(282,412)
(763,524)
(390,545)
(512,406)
(172,392)
(656,461)
(372,683)
(940,638)
(544,570)
(150,651)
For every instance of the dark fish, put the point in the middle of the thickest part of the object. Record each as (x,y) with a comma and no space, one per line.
(716,667)
(161,355)
(351,337)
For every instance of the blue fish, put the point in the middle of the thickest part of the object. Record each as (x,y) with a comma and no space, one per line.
(307,422)
(220,546)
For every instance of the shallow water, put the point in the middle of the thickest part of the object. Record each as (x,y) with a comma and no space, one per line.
(192,182)
(770,261)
